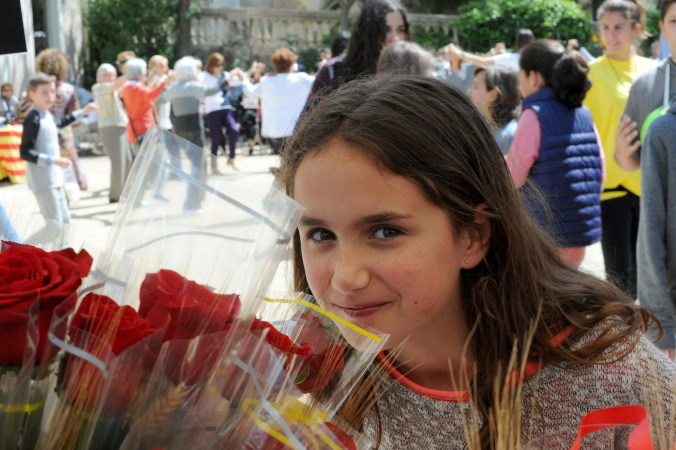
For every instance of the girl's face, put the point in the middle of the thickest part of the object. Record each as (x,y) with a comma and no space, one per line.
(377,252)
(482,97)
(396,28)
(618,35)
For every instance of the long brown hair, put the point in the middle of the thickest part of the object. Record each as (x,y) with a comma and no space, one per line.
(447,149)
(368,36)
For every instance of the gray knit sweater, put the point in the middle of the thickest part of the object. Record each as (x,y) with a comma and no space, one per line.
(656,244)
(554,401)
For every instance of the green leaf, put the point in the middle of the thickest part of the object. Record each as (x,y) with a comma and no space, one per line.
(302,376)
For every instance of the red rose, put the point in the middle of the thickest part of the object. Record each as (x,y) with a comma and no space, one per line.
(121,327)
(193,308)
(280,341)
(316,357)
(27,274)
(326,356)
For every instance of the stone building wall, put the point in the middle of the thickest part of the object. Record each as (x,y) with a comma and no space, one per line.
(251,34)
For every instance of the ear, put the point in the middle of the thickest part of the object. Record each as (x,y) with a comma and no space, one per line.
(477,238)
(537,81)
(637,29)
(662,29)
(494,94)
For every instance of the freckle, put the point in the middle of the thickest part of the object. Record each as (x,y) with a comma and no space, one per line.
(416,302)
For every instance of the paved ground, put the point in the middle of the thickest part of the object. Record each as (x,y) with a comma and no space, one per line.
(93,214)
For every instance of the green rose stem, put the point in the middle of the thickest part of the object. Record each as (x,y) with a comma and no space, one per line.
(33,418)
(14,417)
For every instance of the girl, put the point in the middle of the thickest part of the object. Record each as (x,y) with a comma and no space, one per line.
(380,23)
(418,231)
(611,76)
(496,93)
(556,147)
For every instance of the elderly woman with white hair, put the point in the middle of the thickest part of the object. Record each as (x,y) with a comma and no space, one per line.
(185,97)
(112,127)
(138,99)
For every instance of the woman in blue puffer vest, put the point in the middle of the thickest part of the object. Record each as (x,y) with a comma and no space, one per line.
(556,156)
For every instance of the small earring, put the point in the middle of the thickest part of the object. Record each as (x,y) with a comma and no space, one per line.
(467,261)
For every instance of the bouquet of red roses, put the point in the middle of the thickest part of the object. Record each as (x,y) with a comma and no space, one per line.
(163,347)
(33,283)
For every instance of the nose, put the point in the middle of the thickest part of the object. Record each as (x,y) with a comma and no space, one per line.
(350,271)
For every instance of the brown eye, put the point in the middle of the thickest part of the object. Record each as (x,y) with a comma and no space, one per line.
(386,233)
(320,235)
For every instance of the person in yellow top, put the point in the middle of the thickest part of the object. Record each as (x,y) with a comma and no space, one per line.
(611,76)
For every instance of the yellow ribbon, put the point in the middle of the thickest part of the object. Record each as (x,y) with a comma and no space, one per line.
(291,410)
(22,408)
(327,314)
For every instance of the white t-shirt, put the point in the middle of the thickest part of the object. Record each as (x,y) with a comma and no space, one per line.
(283,97)
(510,60)
(212,102)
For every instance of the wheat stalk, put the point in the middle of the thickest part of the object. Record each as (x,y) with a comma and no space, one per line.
(160,410)
(504,418)
(655,404)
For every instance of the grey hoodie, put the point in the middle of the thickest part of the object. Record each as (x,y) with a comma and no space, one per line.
(656,246)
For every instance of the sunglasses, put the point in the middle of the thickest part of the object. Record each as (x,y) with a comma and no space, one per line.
(220,65)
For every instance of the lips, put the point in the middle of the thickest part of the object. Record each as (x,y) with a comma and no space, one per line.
(364,310)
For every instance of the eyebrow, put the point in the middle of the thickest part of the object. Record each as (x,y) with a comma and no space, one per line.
(382,217)
(366,220)
(311,222)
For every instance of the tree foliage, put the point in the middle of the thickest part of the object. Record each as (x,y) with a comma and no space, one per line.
(434,38)
(484,23)
(117,25)
(653,28)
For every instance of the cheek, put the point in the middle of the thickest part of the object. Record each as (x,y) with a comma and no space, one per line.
(405,272)
(317,272)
